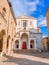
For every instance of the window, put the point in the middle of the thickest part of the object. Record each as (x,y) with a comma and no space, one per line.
(24,23)
(4,12)
(4,9)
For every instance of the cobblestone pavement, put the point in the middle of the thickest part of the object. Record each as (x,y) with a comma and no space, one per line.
(25,58)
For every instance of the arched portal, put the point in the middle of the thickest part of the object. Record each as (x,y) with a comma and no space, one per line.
(32,44)
(2,33)
(17,44)
(24,39)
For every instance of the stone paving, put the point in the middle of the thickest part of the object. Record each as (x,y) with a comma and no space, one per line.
(25,58)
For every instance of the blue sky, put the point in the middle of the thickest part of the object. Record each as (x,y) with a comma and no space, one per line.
(34,8)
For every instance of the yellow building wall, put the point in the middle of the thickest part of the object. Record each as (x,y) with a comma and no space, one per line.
(8,23)
(47,17)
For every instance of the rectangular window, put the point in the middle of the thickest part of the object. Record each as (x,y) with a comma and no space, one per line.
(24,24)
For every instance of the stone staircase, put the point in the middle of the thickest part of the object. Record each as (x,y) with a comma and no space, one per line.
(25,51)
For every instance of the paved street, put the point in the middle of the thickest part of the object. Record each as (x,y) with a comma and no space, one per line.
(26,58)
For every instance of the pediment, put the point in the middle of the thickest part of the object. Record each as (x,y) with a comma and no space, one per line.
(25,17)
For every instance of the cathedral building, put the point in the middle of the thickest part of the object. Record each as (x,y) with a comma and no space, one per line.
(46,43)
(28,35)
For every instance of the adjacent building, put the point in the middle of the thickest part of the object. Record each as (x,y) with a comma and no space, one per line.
(7,27)
(28,35)
(46,39)
(47,16)
(46,43)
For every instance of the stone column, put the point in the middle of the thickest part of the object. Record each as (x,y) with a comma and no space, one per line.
(19,44)
(28,43)
(9,46)
(35,43)
(4,50)
(12,45)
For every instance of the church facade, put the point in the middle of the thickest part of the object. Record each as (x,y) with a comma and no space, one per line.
(28,35)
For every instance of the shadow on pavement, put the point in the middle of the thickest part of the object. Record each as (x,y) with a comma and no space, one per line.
(22,61)
(36,54)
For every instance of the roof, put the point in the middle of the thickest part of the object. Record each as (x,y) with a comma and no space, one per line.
(26,17)
(11,9)
(45,37)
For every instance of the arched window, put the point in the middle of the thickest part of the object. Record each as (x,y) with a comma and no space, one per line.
(4,9)
(32,44)
(17,44)
(24,23)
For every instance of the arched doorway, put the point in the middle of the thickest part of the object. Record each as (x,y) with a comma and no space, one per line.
(32,44)
(2,33)
(24,39)
(17,44)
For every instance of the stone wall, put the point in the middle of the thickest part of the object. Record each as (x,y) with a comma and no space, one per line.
(47,17)
(7,23)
